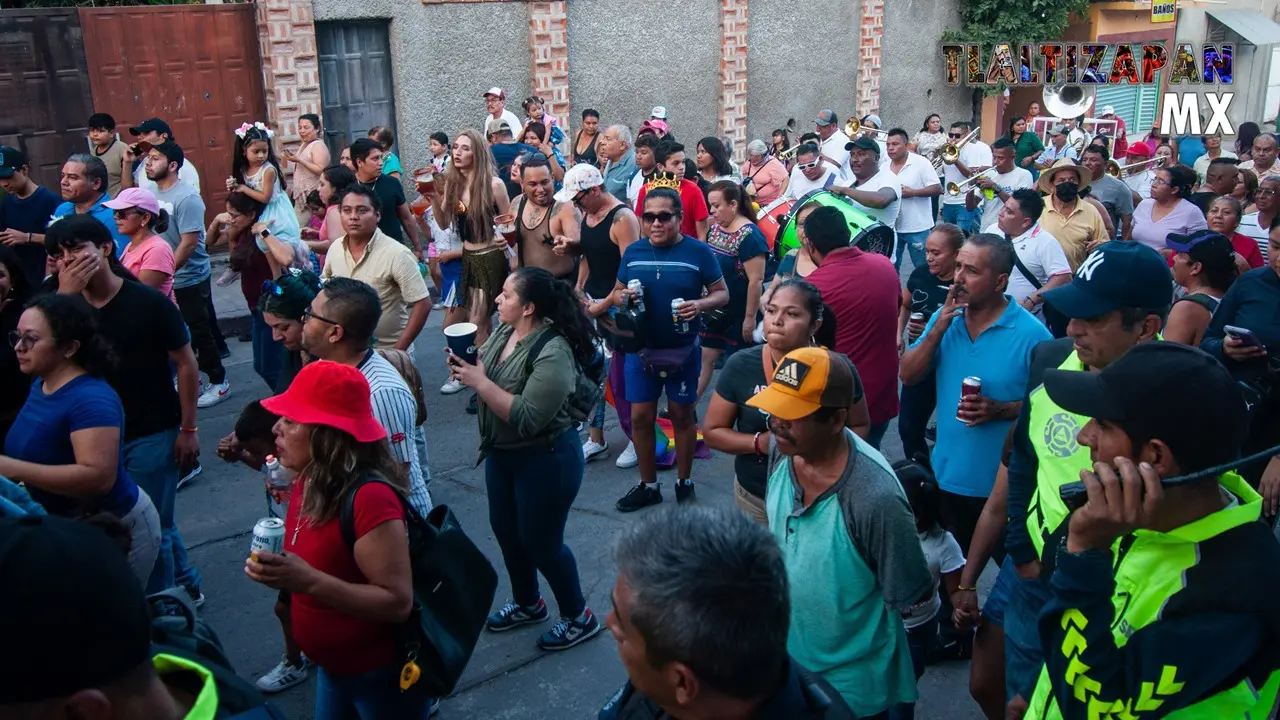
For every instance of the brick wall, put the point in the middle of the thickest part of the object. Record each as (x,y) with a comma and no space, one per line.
(290,71)
(733,74)
(869,57)
(548,44)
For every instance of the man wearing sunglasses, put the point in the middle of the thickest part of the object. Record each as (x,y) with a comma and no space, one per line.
(810,173)
(974,157)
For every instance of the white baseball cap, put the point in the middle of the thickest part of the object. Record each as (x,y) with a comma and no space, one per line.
(659,112)
(496,92)
(1107,110)
(582,176)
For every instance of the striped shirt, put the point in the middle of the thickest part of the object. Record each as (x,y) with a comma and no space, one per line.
(1249,228)
(395,408)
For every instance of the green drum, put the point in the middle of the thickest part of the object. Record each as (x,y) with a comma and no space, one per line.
(865,232)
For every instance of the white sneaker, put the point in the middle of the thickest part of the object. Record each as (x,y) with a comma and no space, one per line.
(628,457)
(228,277)
(452,386)
(213,394)
(592,449)
(191,475)
(283,676)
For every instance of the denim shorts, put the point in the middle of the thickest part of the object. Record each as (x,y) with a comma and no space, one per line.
(998,599)
(681,385)
(1023,652)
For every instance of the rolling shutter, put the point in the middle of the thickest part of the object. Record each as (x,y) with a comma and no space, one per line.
(1135,104)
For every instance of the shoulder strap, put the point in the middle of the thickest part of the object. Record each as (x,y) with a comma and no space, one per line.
(1208,302)
(1025,272)
(536,350)
(347,515)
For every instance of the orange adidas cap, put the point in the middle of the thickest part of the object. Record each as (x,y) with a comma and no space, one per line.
(805,381)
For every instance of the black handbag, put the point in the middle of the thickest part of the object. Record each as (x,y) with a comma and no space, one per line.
(453,588)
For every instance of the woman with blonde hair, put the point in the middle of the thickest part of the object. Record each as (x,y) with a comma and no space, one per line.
(469,197)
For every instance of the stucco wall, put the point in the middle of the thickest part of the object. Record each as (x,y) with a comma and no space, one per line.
(797,67)
(911,72)
(624,58)
(443,57)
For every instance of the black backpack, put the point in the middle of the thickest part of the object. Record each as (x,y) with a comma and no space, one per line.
(587,381)
(453,588)
(176,629)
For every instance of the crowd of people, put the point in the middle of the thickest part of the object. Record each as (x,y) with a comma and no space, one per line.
(1078,360)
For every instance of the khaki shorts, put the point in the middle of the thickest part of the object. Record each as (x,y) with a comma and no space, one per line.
(749,504)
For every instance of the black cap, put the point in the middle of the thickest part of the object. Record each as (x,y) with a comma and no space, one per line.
(11,160)
(1203,246)
(863,143)
(171,150)
(1163,390)
(72,613)
(152,125)
(1116,275)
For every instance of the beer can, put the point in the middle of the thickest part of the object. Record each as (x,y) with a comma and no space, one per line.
(637,289)
(268,536)
(681,325)
(917,318)
(969,386)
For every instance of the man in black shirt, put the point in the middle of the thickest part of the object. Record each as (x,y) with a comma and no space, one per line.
(147,333)
(366,155)
(723,578)
(926,290)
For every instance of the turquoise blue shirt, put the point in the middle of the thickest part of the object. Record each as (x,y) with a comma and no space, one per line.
(854,563)
(102,214)
(965,459)
(391,164)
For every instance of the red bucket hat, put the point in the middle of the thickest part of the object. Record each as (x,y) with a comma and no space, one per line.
(333,394)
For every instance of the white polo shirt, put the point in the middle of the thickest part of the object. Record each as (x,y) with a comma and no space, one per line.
(915,214)
(974,154)
(1040,252)
(1016,179)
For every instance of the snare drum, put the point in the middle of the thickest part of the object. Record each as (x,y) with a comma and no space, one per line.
(865,232)
(771,217)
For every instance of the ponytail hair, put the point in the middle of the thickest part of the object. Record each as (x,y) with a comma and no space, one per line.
(732,192)
(556,302)
(923,494)
(160,223)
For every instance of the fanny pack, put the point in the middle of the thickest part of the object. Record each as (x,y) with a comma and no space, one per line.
(664,361)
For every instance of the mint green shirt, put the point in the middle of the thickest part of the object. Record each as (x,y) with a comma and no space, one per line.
(854,562)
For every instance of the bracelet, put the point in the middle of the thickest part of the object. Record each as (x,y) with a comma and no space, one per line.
(188,430)
(962,588)
(755,443)
(29,239)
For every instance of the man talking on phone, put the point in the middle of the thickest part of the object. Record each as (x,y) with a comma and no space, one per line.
(1138,623)
(1118,298)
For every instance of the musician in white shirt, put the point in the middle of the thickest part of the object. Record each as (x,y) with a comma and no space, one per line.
(975,157)
(810,173)
(919,183)
(1002,179)
(876,190)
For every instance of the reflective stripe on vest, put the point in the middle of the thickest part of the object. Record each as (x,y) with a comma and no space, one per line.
(1059,458)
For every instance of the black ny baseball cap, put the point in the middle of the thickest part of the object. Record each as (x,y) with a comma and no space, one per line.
(1116,275)
(11,160)
(1173,392)
(151,125)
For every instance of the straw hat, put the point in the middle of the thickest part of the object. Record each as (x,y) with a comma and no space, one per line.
(1045,184)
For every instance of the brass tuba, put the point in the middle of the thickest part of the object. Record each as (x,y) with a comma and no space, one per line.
(1068,101)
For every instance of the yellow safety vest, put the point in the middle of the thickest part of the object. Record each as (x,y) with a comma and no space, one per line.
(1059,457)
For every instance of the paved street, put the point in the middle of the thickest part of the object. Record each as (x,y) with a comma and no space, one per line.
(508,678)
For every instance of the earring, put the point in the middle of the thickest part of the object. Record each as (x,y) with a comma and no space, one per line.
(813,341)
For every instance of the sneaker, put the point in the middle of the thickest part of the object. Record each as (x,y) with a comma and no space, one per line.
(454,385)
(283,676)
(639,497)
(684,491)
(224,352)
(570,633)
(513,615)
(228,277)
(191,475)
(473,405)
(197,597)
(592,450)
(213,394)
(628,457)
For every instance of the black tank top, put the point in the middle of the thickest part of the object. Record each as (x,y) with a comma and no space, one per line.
(601,254)
(588,155)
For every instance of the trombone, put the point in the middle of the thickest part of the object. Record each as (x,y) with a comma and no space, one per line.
(853,128)
(954,189)
(948,154)
(1116,170)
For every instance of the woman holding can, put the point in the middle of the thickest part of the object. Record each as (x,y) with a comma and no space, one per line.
(348,602)
(524,375)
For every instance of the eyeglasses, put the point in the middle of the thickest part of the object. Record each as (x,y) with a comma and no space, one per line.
(809,165)
(22,342)
(308,315)
(662,217)
(1268,193)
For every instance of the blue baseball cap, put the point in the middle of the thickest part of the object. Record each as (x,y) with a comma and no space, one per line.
(1116,275)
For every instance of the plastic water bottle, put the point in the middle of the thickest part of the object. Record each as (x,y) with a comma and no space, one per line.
(279,478)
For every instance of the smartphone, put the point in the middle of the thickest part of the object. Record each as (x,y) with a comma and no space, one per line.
(1243,334)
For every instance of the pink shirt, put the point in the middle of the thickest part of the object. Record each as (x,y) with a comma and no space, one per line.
(153,254)
(1183,219)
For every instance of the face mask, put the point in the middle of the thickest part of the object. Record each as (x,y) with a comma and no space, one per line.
(1066,192)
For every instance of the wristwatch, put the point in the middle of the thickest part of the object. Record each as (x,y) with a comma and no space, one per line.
(265,232)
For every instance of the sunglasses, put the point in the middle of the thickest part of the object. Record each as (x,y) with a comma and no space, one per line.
(809,165)
(662,217)
(122,214)
(954,135)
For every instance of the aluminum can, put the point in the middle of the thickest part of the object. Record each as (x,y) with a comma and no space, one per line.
(681,325)
(637,288)
(917,318)
(268,536)
(971,385)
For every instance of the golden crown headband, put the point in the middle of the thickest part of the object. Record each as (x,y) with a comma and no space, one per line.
(663,180)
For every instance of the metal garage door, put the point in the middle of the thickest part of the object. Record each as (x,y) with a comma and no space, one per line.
(355,80)
(1135,104)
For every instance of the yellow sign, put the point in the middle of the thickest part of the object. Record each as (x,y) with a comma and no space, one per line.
(1164,11)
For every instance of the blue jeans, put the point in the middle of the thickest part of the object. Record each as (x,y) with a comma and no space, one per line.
(530,493)
(957,215)
(1023,653)
(268,355)
(918,402)
(921,640)
(913,243)
(374,695)
(149,461)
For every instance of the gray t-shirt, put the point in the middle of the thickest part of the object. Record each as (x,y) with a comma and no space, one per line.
(186,215)
(1115,196)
